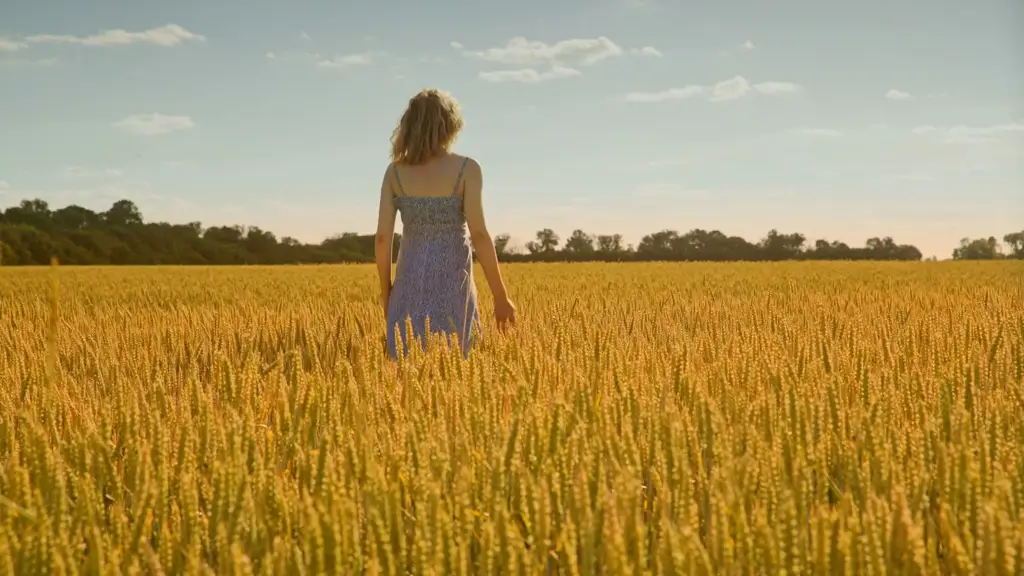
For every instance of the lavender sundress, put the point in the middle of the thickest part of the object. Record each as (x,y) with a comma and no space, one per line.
(434,276)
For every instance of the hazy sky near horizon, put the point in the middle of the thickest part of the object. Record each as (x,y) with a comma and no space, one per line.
(838,120)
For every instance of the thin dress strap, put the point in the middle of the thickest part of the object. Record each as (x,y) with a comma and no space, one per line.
(458,180)
(401,191)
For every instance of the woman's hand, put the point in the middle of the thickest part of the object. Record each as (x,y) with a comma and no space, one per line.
(504,313)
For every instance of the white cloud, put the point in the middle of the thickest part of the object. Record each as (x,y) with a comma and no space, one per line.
(167,35)
(723,91)
(5,185)
(683,93)
(894,94)
(731,89)
(321,60)
(520,51)
(826,132)
(305,37)
(647,51)
(961,134)
(8,45)
(559,60)
(26,62)
(346,61)
(154,124)
(295,55)
(746,46)
(528,75)
(977,134)
(771,88)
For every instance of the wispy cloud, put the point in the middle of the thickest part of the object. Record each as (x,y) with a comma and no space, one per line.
(8,45)
(894,94)
(647,51)
(534,61)
(519,51)
(346,60)
(167,35)
(5,185)
(683,93)
(746,46)
(320,60)
(528,75)
(770,88)
(730,89)
(961,134)
(976,134)
(27,62)
(154,124)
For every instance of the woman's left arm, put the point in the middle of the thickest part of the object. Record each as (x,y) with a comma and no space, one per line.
(385,238)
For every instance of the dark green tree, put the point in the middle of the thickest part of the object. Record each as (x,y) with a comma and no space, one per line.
(546,243)
(31,233)
(978,249)
(1015,241)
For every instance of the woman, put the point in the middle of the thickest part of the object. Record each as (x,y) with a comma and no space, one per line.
(439,196)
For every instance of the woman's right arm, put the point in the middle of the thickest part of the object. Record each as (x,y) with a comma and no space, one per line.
(483,244)
(385,239)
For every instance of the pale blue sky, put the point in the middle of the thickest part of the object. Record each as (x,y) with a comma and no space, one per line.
(838,120)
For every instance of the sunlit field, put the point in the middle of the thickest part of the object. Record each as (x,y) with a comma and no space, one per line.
(811,418)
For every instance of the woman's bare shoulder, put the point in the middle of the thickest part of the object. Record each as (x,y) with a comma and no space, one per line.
(470,163)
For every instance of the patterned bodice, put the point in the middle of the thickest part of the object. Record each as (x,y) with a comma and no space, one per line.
(431,218)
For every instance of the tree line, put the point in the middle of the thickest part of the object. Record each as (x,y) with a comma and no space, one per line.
(31,233)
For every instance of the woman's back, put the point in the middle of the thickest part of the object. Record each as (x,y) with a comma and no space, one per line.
(429,199)
(440,176)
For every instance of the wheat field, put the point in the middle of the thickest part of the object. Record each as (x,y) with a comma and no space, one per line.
(797,418)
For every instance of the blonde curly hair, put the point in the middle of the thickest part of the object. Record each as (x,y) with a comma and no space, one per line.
(429,126)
